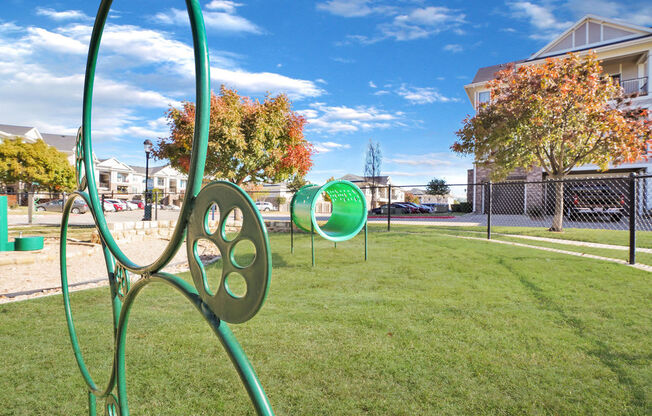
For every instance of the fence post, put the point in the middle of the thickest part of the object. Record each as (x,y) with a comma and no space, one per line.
(389,206)
(30,207)
(103,203)
(488,202)
(632,218)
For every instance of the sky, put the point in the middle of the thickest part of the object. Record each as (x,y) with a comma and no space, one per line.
(358,70)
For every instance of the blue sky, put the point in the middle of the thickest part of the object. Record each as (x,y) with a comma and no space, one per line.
(390,71)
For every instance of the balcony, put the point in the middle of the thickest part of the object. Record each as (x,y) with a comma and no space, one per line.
(635,86)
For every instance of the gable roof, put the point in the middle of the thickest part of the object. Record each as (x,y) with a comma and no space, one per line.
(62,143)
(589,32)
(622,32)
(15,130)
(488,72)
(380,180)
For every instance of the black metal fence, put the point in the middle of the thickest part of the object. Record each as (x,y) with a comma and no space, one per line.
(617,203)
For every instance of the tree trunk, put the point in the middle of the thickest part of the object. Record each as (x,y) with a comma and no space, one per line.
(558,218)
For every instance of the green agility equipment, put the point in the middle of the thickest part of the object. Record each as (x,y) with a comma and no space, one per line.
(348,213)
(20,243)
(217,305)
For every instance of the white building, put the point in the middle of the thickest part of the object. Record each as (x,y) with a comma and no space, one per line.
(111,175)
(379,187)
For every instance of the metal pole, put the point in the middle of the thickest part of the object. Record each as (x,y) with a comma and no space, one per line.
(488,198)
(312,243)
(103,203)
(365,241)
(30,207)
(632,218)
(148,207)
(156,207)
(389,206)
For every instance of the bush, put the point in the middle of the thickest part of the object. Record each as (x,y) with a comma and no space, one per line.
(462,207)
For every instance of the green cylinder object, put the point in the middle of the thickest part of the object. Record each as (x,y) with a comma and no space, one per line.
(348,215)
(28,243)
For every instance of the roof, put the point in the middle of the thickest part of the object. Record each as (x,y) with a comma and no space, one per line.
(60,142)
(152,169)
(15,130)
(379,180)
(488,72)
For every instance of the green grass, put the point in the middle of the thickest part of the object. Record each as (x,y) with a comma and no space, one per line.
(431,324)
(615,237)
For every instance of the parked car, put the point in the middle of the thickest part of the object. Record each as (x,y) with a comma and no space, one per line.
(403,209)
(130,205)
(78,207)
(108,206)
(264,206)
(139,202)
(418,208)
(595,201)
(170,207)
(117,204)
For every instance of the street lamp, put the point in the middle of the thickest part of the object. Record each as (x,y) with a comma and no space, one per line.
(147,144)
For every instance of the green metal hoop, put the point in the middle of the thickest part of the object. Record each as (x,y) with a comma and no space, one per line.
(216,309)
(199,146)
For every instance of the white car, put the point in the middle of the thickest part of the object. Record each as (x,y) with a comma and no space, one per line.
(264,206)
(117,204)
(108,207)
(130,205)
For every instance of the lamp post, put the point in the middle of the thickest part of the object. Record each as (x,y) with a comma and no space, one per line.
(147,144)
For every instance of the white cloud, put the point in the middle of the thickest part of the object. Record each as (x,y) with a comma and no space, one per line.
(423,95)
(343,119)
(636,12)
(145,46)
(422,23)
(381,92)
(546,25)
(63,15)
(444,165)
(453,47)
(325,147)
(55,42)
(224,5)
(354,8)
(224,19)
(372,85)
(321,81)
(42,76)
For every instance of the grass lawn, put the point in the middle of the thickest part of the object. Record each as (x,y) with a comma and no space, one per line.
(615,237)
(431,324)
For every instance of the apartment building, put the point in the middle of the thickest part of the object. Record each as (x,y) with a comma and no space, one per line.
(625,52)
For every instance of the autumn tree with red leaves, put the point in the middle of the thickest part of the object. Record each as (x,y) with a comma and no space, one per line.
(248,141)
(557,115)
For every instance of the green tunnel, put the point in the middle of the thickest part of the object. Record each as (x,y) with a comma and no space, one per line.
(348,215)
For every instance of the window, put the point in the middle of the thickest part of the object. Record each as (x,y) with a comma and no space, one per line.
(122,177)
(160,181)
(122,188)
(182,183)
(483,97)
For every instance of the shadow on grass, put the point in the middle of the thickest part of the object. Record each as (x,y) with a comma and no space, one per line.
(601,351)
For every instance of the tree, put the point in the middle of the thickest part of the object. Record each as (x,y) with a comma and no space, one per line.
(438,187)
(297,182)
(373,161)
(248,140)
(557,115)
(256,191)
(35,163)
(325,195)
(410,197)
